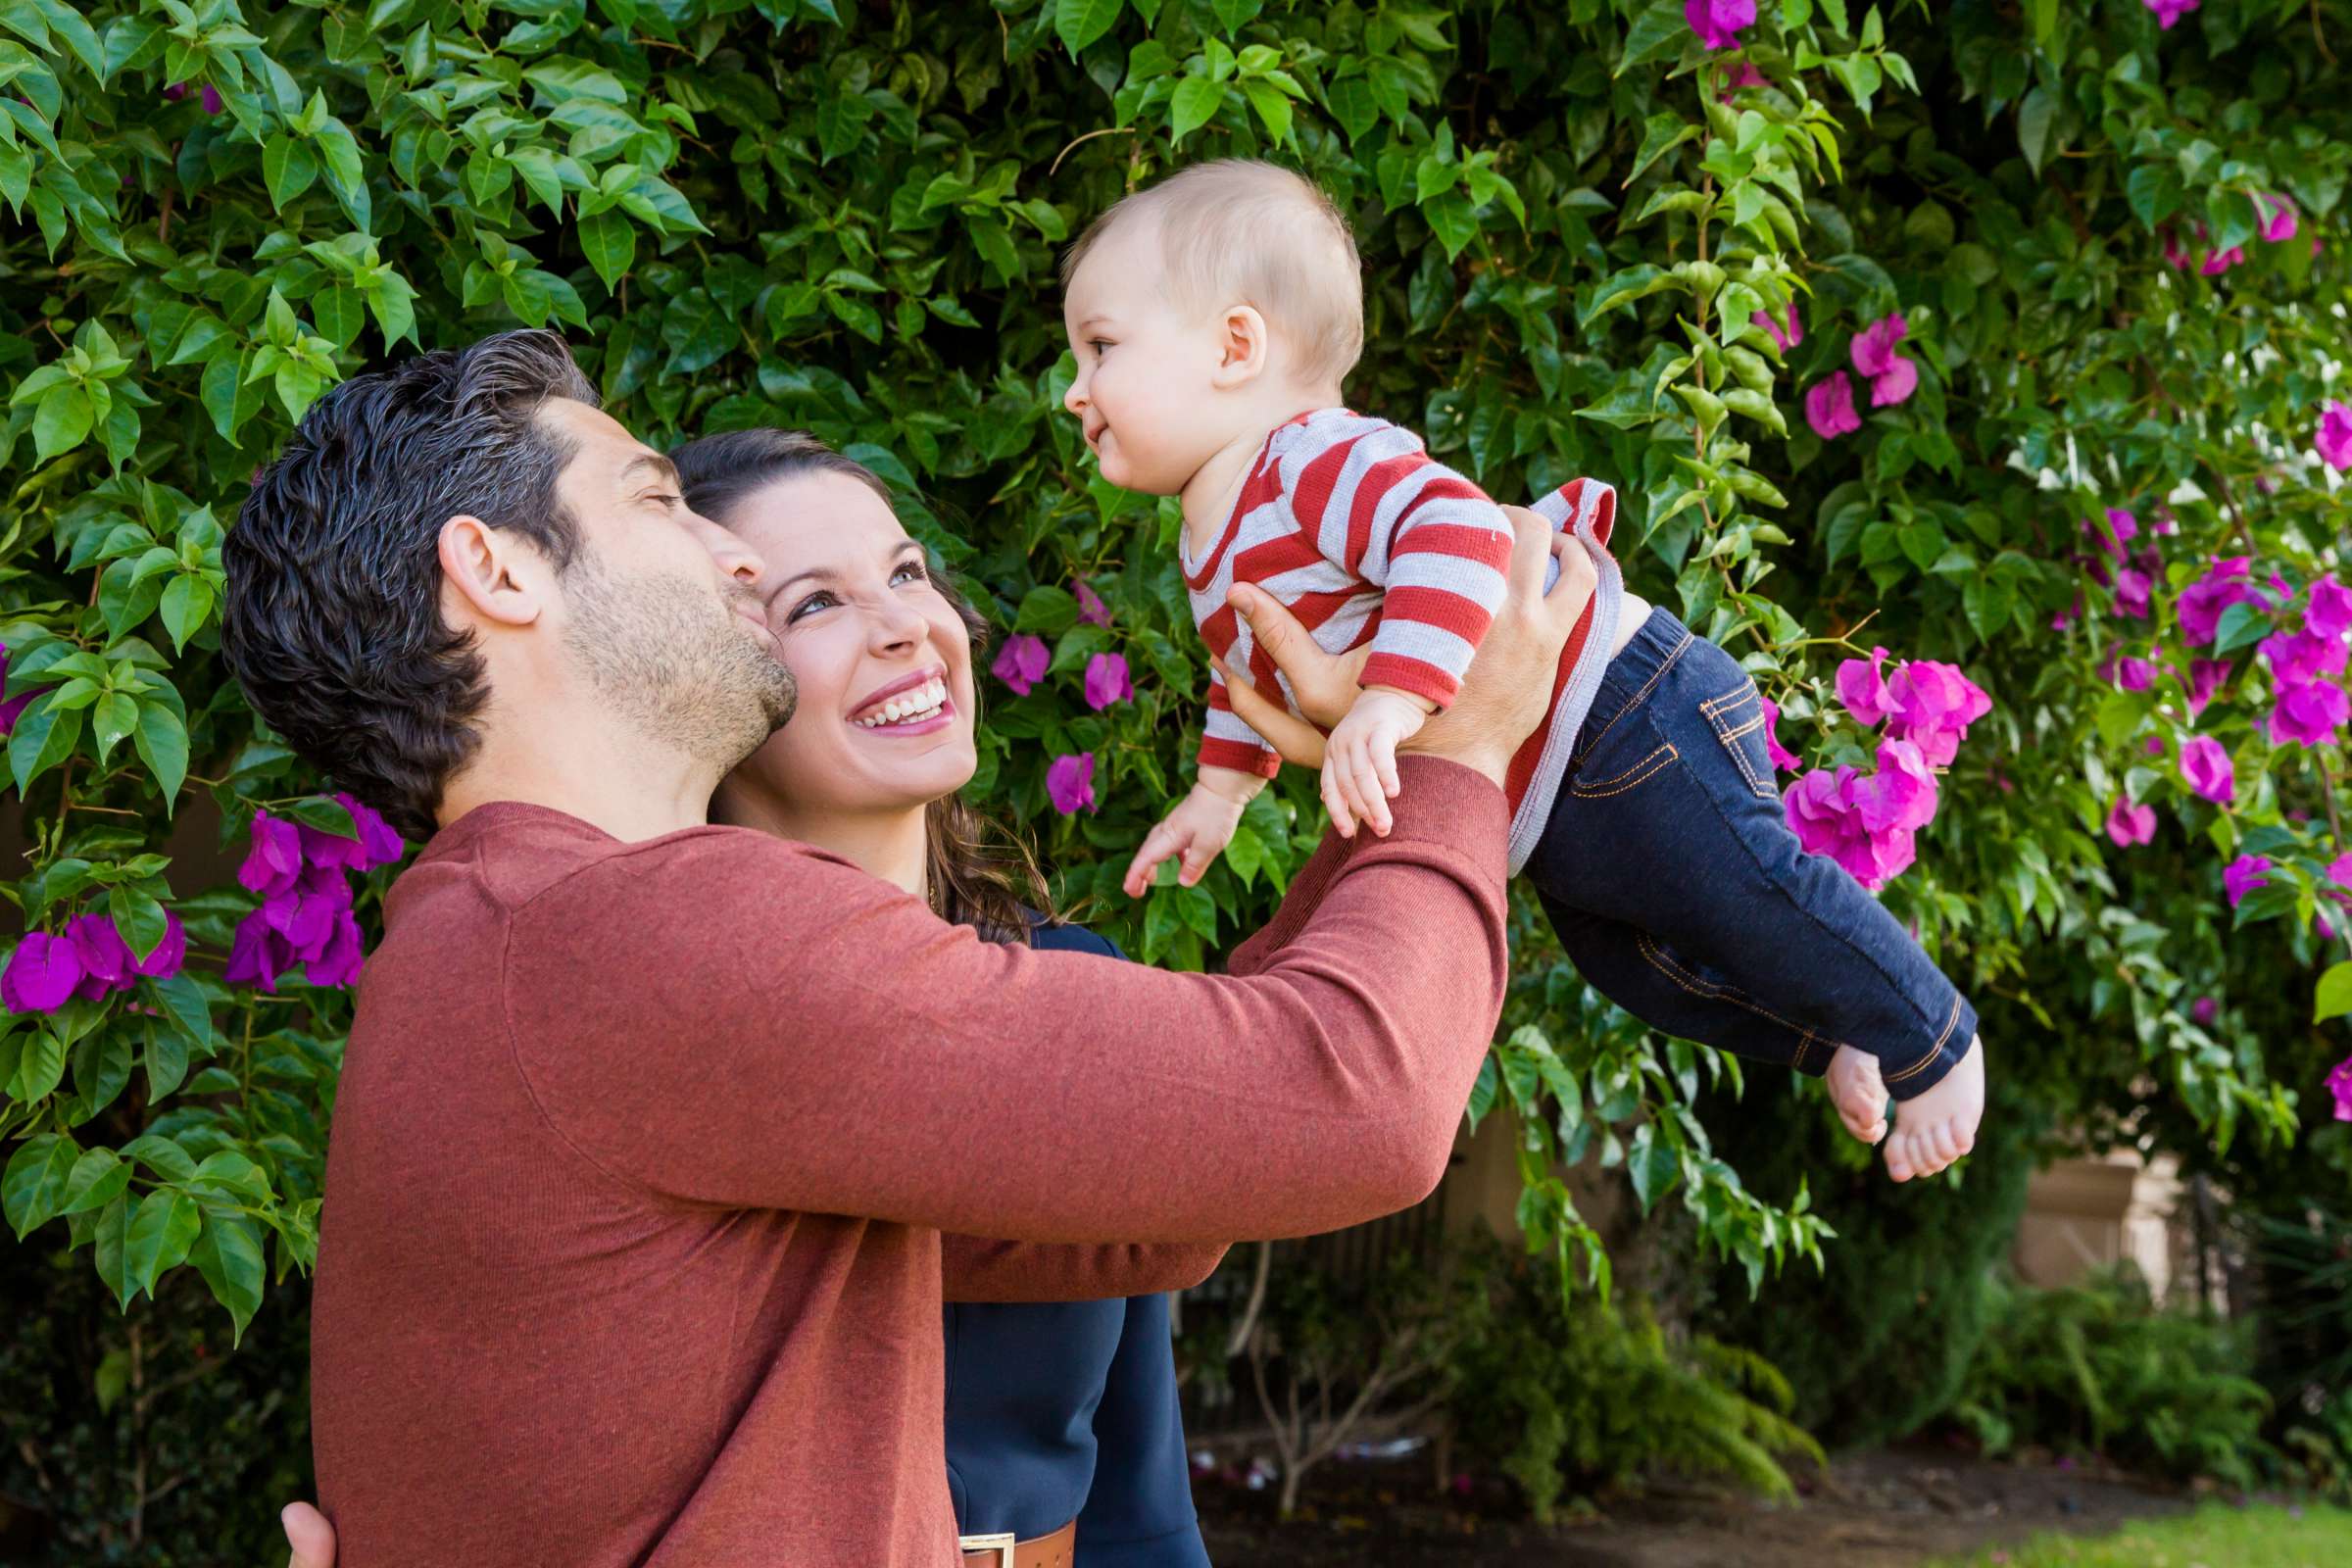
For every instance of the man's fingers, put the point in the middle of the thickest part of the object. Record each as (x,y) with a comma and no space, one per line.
(310,1539)
(1298,740)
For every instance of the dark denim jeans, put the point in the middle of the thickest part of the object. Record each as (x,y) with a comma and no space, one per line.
(1679,890)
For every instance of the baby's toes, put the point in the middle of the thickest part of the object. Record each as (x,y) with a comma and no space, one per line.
(1899,1165)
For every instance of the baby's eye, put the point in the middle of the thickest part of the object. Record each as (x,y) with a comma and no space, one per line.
(1099,345)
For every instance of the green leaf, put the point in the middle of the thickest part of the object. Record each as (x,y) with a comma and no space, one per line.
(39,1068)
(1195,104)
(185,1005)
(159,1236)
(1656,33)
(1048,609)
(63,417)
(97,1177)
(325,815)
(289,167)
(42,739)
(345,175)
(167,1056)
(138,919)
(1661,134)
(609,242)
(2241,625)
(107,1252)
(34,1184)
(228,1255)
(2333,998)
(1079,23)
(162,742)
(160,1156)
(1272,107)
(2037,116)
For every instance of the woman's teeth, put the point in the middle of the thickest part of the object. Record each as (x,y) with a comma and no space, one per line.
(914,706)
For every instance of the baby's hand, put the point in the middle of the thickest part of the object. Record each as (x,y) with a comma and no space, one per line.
(1198,829)
(1359,762)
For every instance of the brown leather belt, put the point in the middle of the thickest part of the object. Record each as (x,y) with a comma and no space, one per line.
(1057,1550)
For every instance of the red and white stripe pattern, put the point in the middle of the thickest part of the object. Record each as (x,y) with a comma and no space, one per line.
(1352,524)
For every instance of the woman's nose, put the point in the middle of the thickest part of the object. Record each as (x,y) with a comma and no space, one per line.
(897,625)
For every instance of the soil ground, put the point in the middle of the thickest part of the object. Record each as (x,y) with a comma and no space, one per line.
(1889,1508)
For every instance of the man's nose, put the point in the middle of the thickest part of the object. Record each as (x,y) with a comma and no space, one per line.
(736,559)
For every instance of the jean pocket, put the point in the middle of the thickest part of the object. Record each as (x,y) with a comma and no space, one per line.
(1607,771)
(1738,719)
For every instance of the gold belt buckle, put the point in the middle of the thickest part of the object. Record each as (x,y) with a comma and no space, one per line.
(1000,1543)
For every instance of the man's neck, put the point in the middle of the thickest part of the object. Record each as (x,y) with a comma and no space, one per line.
(606,776)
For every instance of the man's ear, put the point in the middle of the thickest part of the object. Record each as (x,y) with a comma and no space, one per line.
(1242,347)
(495,575)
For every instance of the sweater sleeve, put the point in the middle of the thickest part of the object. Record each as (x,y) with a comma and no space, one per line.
(726,1018)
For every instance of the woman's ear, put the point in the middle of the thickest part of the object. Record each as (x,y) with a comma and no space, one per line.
(1242,347)
(493,576)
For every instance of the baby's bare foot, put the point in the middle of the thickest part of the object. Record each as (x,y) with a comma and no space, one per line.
(1933,1129)
(1859,1092)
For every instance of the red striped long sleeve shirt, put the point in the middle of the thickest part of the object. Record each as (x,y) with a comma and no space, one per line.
(1364,537)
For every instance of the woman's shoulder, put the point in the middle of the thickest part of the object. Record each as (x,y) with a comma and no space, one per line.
(1070,939)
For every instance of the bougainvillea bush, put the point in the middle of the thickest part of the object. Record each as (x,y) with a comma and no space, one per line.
(1971,372)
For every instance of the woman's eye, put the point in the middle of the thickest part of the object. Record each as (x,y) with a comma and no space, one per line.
(668,501)
(911,571)
(813,602)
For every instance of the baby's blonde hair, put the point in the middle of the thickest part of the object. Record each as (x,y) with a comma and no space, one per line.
(1237,229)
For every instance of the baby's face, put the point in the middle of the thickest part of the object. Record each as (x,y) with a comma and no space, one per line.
(1145,393)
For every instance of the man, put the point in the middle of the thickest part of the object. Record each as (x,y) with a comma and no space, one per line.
(647,1129)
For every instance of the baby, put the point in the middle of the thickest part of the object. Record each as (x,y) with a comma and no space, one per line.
(1213,318)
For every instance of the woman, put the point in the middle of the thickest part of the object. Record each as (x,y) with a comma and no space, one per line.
(1061,1416)
(1065,1409)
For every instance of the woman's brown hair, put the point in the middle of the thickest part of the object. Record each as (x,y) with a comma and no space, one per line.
(981,874)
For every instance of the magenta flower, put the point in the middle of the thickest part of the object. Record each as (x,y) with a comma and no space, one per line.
(1718,22)
(2169,12)
(1782,758)
(2339,1084)
(2134,675)
(1901,797)
(275,862)
(174,92)
(2205,763)
(377,844)
(14,708)
(2205,1009)
(169,955)
(2220,261)
(2309,713)
(2154,746)
(339,960)
(42,973)
(2329,613)
(256,955)
(2128,825)
(104,955)
(1021,662)
(1107,682)
(2122,528)
(1789,330)
(2299,657)
(1743,76)
(2279,217)
(1862,688)
(2243,876)
(211,99)
(2202,601)
(1934,704)
(1090,607)
(2134,591)
(1070,783)
(1865,824)
(1892,377)
(2173,253)
(1830,408)
(2205,677)
(2334,438)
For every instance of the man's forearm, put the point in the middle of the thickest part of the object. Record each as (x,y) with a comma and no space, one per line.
(974,1269)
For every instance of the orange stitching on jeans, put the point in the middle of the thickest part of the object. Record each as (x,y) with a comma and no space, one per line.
(1636,701)
(1756,722)
(1648,947)
(1748,771)
(1934,1050)
(1730,700)
(1628,779)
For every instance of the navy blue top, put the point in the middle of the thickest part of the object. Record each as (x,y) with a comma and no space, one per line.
(1062,1410)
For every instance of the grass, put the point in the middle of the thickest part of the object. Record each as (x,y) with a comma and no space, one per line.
(2215,1536)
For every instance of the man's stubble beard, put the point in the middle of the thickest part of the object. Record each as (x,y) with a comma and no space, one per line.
(676,664)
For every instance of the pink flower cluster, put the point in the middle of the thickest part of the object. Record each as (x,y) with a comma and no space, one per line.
(1868,822)
(1829,404)
(14,708)
(1021,662)
(1108,681)
(2169,12)
(2339,1088)
(88,959)
(2306,665)
(2278,224)
(304,917)
(2132,578)
(2335,436)
(1928,704)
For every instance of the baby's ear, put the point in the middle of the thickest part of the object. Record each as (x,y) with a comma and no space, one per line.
(1245,346)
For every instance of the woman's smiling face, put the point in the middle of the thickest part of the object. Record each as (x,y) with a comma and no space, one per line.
(883,660)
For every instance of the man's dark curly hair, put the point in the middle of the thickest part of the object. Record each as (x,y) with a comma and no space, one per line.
(332,619)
